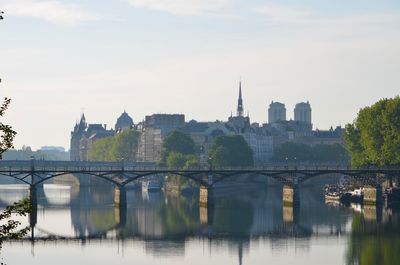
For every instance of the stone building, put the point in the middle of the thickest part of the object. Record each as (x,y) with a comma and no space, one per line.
(302,112)
(276,112)
(153,130)
(124,122)
(84,135)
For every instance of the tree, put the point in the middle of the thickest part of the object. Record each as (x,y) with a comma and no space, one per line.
(7,133)
(101,150)
(125,146)
(7,230)
(291,152)
(177,142)
(374,137)
(122,146)
(230,151)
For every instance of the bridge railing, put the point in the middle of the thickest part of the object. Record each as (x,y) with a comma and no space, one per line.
(48,166)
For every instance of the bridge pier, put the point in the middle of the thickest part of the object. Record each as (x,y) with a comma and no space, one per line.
(35,179)
(206,220)
(291,195)
(120,206)
(120,215)
(33,206)
(120,196)
(290,214)
(373,195)
(206,197)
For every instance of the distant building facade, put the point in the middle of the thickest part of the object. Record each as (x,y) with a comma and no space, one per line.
(302,112)
(276,112)
(260,141)
(124,122)
(152,132)
(299,130)
(84,135)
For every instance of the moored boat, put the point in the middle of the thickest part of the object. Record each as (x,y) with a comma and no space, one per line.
(151,185)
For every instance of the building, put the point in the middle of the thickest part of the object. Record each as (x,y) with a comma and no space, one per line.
(84,135)
(203,134)
(302,112)
(276,112)
(153,130)
(76,136)
(259,140)
(124,122)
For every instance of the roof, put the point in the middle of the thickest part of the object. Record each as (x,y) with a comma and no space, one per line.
(124,121)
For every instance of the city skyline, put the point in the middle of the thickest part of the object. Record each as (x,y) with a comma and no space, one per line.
(61,58)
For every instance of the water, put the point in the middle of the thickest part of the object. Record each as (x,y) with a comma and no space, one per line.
(249,226)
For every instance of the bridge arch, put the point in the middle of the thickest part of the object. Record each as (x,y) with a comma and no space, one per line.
(278,176)
(101,176)
(308,177)
(19,179)
(189,176)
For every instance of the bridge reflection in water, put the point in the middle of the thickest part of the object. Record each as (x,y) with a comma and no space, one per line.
(165,223)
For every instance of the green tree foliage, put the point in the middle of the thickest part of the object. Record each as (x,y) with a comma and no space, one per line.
(177,142)
(122,146)
(178,152)
(101,150)
(374,137)
(179,160)
(125,145)
(9,229)
(292,152)
(230,151)
(7,133)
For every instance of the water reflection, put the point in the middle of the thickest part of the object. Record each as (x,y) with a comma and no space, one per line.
(374,240)
(237,223)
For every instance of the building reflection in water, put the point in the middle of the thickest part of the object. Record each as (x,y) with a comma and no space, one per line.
(165,223)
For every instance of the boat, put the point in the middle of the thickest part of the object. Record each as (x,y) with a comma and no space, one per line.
(356,195)
(151,185)
(332,193)
(341,194)
(336,193)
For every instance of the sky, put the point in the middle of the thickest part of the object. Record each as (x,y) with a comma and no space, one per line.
(60,58)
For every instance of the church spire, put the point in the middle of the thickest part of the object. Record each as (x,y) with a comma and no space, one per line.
(240,101)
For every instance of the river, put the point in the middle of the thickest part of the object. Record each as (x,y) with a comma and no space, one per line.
(246,226)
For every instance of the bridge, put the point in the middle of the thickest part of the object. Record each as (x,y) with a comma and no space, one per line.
(34,173)
(120,174)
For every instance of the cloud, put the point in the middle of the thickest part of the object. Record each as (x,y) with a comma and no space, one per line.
(49,10)
(182,7)
(280,14)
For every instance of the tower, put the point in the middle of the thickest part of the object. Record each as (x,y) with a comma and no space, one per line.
(240,101)
(302,112)
(276,112)
(76,136)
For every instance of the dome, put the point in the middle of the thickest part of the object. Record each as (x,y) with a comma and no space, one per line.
(124,121)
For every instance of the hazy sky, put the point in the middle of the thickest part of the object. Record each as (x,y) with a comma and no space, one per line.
(61,57)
